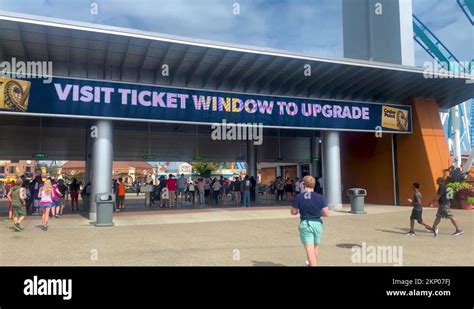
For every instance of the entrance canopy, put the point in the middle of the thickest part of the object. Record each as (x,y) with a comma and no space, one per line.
(90,51)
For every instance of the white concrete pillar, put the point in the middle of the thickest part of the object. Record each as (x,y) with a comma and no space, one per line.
(102,154)
(332,169)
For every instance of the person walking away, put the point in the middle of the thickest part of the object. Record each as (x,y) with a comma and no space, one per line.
(253,188)
(181,187)
(10,206)
(246,187)
(216,190)
(161,185)
(37,183)
(56,198)
(311,206)
(297,186)
(148,189)
(321,184)
(226,191)
(25,183)
(280,187)
(63,190)
(207,189)
(236,189)
(120,194)
(191,192)
(18,197)
(289,189)
(171,185)
(46,202)
(417,211)
(444,212)
(201,191)
(137,187)
(114,186)
(85,194)
(165,197)
(74,193)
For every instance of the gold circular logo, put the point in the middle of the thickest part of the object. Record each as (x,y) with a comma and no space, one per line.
(15,96)
(402,121)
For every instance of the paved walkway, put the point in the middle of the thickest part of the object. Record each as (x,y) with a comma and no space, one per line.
(256,236)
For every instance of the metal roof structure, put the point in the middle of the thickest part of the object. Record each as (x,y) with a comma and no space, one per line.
(84,50)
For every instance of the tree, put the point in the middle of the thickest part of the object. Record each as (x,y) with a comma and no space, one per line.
(205,169)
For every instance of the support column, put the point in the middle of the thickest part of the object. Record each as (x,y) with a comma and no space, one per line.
(456,136)
(252,167)
(298,170)
(315,156)
(88,157)
(251,159)
(88,166)
(279,171)
(332,169)
(102,151)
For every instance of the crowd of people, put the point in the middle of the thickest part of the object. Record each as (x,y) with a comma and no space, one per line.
(286,189)
(45,198)
(171,191)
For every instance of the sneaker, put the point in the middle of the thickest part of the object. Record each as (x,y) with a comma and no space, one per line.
(458,232)
(16,227)
(435,231)
(57,216)
(411,233)
(45,228)
(306,263)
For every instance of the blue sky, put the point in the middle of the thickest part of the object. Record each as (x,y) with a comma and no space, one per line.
(310,26)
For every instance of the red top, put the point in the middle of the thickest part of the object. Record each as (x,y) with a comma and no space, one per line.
(171,184)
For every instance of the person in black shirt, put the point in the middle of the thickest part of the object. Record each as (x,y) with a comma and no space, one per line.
(253,181)
(311,206)
(444,195)
(236,191)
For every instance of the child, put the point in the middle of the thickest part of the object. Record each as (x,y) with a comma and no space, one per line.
(417,212)
(8,187)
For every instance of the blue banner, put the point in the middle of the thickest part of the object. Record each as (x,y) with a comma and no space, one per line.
(100,99)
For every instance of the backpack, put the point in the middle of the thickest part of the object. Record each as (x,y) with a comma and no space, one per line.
(165,195)
(280,185)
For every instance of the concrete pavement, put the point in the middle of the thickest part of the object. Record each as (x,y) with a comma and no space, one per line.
(260,236)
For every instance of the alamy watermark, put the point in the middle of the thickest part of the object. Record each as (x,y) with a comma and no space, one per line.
(237,132)
(18,69)
(48,287)
(462,69)
(377,255)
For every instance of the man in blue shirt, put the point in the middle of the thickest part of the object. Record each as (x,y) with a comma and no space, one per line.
(311,206)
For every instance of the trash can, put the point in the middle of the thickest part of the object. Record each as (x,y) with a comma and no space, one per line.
(357,196)
(105,209)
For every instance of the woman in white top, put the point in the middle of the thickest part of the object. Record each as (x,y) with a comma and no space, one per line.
(46,202)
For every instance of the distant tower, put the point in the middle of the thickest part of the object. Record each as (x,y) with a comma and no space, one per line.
(378,30)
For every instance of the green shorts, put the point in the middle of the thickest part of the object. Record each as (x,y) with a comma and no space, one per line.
(310,232)
(19,211)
